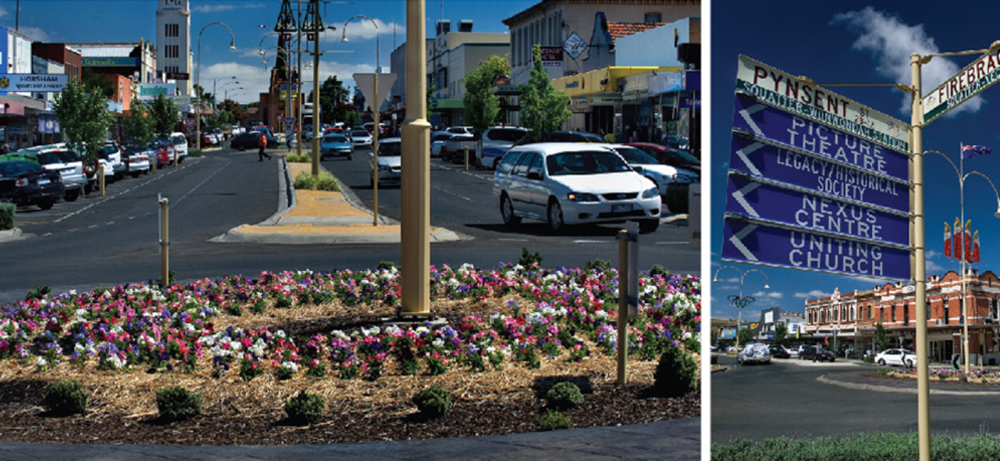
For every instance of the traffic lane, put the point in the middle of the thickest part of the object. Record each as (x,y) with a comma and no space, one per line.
(785,399)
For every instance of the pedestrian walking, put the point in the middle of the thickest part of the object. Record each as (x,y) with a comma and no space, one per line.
(288,140)
(263,145)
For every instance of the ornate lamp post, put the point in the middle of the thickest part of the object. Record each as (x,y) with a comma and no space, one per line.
(740,301)
(232,46)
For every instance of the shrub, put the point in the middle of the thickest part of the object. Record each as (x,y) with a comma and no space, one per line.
(598,265)
(868,359)
(195,153)
(528,258)
(296,158)
(176,403)
(305,181)
(433,402)
(676,374)
(677,198)
(8,215)
(325,181)
(658,269)
(249,370)
(554,420)
(564,395)
(304,408)
(66,398)
(387,266)
(38,292)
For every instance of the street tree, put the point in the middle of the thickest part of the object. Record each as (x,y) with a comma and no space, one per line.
(93,79)
(165,115)
(138,126)
(236,109)
(881,341)
(481,105)
(333,100)
(780,334)
(543,108)
(83,114)
(746,336)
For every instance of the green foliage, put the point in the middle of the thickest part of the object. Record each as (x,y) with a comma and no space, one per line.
(543,108)
(676,374)
(658,269)
(8,216)
(334,100)
(85,119)
(325,181)
(868,359)
(66,398)
(677,198)
(176,403)
(598,265)
(881,341)
(746,336)
(528,258)
(249,370)
(139,125)
(564,395)
(96,83)
(194,153)
(433,402)
(860,447)
(165,114)
(780,334)
(38,292)
(554,420)
(234,108)
(305,408)
(387,266)
(481,105)
(296,158)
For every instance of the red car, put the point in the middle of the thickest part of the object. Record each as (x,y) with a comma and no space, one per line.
(669,156)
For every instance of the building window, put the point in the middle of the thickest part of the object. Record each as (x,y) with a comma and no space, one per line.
(172,30)
(906,314)
(944,308)
(893,318)
(654,18)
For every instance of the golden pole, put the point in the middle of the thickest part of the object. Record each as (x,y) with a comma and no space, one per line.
(919,263)
(623,283)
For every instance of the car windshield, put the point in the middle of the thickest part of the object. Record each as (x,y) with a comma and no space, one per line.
(110,149)
(359,133)
(47,158)
(335,138)
(505,134)
(636,156)
(587,162)
(684,155)
(390,149)
(15,168)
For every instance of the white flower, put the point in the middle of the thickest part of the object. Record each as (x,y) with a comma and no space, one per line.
(280,334)
(438,342)
(339,335)
(41,362)
(290,365)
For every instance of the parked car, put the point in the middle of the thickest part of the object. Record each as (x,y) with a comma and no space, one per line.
(179,142)
(754,353)
(138,160)
(390,152)
(497,141)
(57,157)
(112,153)
(336,145)
(438,139)
(898,357)
(780,352)
(565,184)
(251,139)
(454,147)
(670,156)
(361,138)
(816,354)
(459,130)
(662,175)
(25,183)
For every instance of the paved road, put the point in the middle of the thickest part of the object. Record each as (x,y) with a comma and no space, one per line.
(110,240)
(786,399)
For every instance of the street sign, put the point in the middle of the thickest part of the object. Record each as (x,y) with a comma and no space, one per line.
(787,92)
(770,202)
(574,45)
(814,173)
(974,78)
(38,83)
(756,243)
(178,76)
(366,83)
(793,130)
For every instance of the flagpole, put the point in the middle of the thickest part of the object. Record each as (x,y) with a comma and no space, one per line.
(965,304)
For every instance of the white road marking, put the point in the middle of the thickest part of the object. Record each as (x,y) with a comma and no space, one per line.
(671,243)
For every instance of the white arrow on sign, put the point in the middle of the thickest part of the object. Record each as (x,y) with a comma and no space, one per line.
(743,155)
(366,83)
(737,241)
(746,113)
(740,197)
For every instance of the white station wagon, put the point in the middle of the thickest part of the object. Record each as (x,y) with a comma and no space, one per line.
(573,183)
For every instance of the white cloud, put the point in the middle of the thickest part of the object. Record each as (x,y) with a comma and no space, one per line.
(35,34)
(891,42)
(222,8)
(3,12)
(254,78)
(931,267)
(771,295)
(811,294)
(362,29)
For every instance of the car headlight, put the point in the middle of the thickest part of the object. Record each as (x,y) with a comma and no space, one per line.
(650,193)
(382,166)
(581,197)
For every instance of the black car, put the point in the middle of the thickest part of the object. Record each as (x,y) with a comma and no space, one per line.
(779,352)
(251,140)
(816,354)
(26,183)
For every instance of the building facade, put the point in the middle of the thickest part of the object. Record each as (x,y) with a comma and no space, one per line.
(173,39)
(452,55)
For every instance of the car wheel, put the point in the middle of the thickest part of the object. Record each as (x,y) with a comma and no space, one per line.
(496,162)
(72,195)
(46,205)
(135,174)
(507,211)
(555,215)
(881,362)
(649,225)
(832,359)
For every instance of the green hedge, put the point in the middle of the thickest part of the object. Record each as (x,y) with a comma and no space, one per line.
(862,447)
(325,181)
(677,198)
(8,215)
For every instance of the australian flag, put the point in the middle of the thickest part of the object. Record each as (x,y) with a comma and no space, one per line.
(975,151)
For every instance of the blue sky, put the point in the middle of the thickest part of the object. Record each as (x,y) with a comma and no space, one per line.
(75,21)
(859,42)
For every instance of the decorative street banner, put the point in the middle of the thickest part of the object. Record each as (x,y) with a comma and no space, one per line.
(786,92)
(148,91)
(974,78)
(759,244)
(815,174)
(36,83)
(765,121)
(795,208)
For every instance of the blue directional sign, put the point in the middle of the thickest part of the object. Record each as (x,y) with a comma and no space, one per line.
(765,121)
(770,202)
(761,244)
(814,173)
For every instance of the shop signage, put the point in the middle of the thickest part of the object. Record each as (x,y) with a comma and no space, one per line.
(37,83)
(178,76)
(111,62)
(552,56)
(574,46)
(148,91)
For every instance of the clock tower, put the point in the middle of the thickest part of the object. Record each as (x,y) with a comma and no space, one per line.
(173,43)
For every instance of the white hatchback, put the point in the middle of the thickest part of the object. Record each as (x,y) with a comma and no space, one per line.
(899,357)
(573,183)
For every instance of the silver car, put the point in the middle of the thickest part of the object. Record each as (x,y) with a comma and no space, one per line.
(754,353)
(390,158)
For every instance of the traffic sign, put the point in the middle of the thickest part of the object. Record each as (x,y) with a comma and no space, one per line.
(756,243)
(795,95)
(766,201)
(759,119)
(366,83)
(814,173)
(974,78)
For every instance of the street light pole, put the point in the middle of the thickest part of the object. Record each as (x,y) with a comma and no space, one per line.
(375,108)
(740,301)
(198,90)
